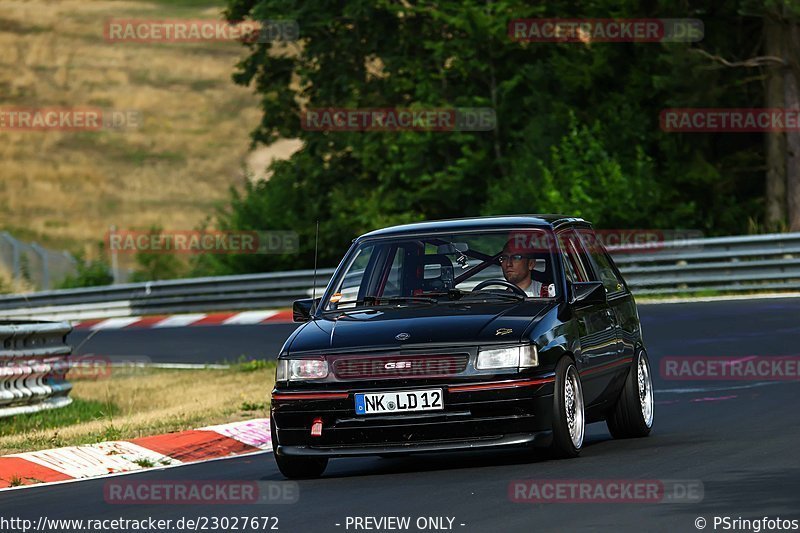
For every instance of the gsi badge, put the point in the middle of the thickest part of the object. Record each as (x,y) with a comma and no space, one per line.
(398,364)
(402,336)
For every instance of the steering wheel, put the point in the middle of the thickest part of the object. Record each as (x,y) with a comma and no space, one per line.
(502,283)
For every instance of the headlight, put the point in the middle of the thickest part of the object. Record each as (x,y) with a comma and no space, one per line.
(301,369)
(519,357)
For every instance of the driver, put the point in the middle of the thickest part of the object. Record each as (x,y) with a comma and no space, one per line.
(517,264)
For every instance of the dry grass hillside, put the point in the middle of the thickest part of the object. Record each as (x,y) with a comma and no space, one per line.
(64,188)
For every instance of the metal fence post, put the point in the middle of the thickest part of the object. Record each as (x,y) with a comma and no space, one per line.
(14,254)
(43,255)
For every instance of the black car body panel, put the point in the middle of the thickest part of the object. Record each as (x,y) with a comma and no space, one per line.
(381,348)
(424,325)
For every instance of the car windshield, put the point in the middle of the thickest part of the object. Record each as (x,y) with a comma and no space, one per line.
(487,266)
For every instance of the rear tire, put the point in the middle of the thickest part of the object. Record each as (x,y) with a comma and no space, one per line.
(632,416)
(569,420)
(297,467)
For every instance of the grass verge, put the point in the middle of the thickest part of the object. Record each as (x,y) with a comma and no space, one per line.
(138,402)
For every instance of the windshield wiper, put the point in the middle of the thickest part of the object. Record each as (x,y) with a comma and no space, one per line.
(377,301)
(489,294)
(372,300)
(451,294)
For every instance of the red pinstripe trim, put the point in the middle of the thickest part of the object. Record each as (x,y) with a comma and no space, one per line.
(608,365)
(501,385)
(310,396)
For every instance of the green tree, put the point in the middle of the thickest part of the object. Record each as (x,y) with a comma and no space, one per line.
(577,124)
(581,178)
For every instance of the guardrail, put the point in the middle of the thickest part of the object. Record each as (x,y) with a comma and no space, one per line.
(731,264)
(34,360)
(223,293)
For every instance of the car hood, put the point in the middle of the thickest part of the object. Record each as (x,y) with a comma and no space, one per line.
(440,324)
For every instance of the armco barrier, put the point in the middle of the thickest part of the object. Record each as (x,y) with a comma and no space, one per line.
(223,293)
(731,264)
(34,360)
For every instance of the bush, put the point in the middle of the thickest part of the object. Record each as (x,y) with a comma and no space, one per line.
(90,273)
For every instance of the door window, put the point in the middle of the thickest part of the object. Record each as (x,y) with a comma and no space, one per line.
(601,261)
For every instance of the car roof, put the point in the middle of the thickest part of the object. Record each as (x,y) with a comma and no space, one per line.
(551,221)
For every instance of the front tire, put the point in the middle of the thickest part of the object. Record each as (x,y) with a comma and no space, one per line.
(569,421)
(632,416)
(297,467)
(301,467)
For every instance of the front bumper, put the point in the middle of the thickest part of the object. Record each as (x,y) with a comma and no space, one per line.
(542,438)
(476,415)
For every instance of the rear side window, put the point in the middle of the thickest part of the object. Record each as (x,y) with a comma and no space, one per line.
(601,262)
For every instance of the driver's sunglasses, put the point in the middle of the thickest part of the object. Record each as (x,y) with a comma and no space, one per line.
(516,257)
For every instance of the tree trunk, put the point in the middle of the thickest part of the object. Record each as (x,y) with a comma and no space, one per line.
(775,215)
(792,102)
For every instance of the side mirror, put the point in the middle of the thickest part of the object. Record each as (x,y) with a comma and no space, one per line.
(301,309)
(588,293)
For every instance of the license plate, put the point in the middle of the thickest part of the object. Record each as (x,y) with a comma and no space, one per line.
(371,403)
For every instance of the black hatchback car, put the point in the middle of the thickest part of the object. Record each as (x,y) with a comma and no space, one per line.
(462,334)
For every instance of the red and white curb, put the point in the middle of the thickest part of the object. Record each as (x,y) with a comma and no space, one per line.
(116,457)
(177,321)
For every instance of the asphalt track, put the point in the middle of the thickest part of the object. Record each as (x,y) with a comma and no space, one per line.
(740,439)
(193,344)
